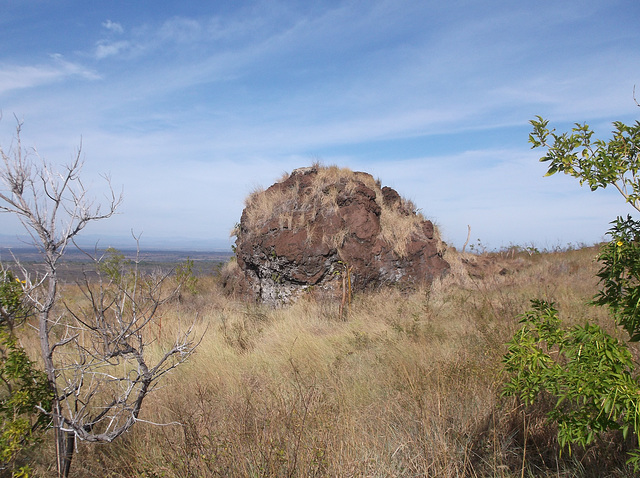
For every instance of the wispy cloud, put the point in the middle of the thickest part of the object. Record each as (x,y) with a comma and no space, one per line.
(432,97)
(14,77)
(106,48)
(181,30)
(113,26)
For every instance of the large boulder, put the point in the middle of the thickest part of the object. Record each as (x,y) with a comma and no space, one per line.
(307,230)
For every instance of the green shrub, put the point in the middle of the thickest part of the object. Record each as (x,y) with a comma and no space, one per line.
(620,275)
(12,306)
(24,390)
(591,375)
(589,372)
(186,277)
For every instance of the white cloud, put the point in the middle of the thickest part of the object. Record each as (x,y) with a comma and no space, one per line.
(106,49)
(181,30)
(13,77)
(113,26)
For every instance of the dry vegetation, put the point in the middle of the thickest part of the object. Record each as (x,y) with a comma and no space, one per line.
(407,386)
(295,211)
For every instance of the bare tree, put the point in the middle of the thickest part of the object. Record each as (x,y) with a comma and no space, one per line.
(94,354)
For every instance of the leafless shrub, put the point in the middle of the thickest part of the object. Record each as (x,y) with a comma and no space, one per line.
(96,356)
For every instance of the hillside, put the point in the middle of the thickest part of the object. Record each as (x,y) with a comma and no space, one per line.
(406,385)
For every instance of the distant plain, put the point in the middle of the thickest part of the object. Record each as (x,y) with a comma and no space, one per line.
(77,261)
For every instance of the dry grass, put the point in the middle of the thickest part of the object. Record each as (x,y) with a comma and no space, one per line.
(294,211)
(261,205)
(407,386)
(397,229)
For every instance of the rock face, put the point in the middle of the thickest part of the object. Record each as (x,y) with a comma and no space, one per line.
(307,230)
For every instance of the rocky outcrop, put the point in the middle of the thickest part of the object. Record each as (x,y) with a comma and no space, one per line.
(310,229)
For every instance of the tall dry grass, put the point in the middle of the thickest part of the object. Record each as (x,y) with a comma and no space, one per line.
(406,386)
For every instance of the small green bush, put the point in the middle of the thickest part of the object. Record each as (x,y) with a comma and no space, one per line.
(24,390)
(186,277)
(591,375)
(589,372)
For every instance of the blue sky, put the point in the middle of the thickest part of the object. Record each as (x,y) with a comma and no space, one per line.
(189,106)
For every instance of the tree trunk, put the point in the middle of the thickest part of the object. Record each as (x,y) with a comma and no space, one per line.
(65,442)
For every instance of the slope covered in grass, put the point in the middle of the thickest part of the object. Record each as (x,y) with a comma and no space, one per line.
(406,386)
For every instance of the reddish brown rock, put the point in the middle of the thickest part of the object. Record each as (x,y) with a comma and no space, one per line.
(304,232)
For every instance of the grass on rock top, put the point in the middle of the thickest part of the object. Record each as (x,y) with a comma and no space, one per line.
(295,209)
